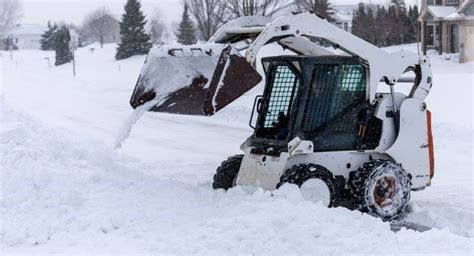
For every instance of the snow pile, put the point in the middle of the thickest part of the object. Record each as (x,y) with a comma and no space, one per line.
(173,67)
(62,193)
(49,176)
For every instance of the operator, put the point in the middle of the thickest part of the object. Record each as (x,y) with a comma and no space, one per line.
(282,126)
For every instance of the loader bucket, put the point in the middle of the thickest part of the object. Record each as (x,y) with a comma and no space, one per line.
(193,80)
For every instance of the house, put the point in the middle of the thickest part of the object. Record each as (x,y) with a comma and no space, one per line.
(342,15)
(448,27)
(23,36)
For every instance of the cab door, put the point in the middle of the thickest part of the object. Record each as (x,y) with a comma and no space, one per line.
(279,98)
(264,163)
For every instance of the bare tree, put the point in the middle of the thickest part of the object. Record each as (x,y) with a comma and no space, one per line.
(10,13)
(101,26)
(208,14)
(238,8)
(157,27)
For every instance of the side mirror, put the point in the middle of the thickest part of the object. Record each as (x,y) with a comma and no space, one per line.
(259,105)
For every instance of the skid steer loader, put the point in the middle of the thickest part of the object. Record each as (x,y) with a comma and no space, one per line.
(321,123)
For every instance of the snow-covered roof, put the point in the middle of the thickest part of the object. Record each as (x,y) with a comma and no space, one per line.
(342,17)
(454,16)
(347,9)
(343,12)
(28,29)
(440,12)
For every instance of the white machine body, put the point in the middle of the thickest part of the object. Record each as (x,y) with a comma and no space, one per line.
(411,146)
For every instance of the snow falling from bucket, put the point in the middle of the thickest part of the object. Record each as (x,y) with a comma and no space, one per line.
(127,126)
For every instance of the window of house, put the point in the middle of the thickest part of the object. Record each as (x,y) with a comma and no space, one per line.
(432,35)
(452,2)
(454,38)
(435,2)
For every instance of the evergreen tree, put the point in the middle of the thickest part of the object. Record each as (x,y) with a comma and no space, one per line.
(62,38)
(47,39)
(398,4)
(134,40)
(415,14)
(371,27)
(381,25)
(360,23)
(398,22)
(386,27)
(186,33)
(393,29)
(408,30)
(405,29)
(414,26)
(323,9)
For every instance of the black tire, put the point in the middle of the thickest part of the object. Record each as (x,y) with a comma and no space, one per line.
(227,172)
(381,188)
(298,174)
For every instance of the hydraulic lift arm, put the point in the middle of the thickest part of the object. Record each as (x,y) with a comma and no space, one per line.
(382,65)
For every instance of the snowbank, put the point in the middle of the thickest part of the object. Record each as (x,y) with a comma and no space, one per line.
(66,194)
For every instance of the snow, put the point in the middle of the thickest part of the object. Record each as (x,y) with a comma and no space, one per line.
(454,16)
(221,81)
(66,190)
(160,70)
(124,133)
(441,11)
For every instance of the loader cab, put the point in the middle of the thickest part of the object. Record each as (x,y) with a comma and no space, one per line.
(317,98)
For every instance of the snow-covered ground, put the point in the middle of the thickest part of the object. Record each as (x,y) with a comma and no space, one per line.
(65,190)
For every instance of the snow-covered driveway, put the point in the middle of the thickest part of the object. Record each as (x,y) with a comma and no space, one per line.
(66,190)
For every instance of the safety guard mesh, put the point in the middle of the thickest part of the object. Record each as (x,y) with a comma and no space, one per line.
(284,86)
(334,88)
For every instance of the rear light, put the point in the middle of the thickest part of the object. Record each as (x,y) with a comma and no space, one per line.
(430,143)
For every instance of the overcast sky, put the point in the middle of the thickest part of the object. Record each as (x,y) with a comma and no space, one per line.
(73,11)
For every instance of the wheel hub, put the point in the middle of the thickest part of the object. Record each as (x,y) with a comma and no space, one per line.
(385,191)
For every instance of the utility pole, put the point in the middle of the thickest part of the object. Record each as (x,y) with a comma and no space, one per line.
(72,49)
(73,63)
(49,62)
(10,46)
